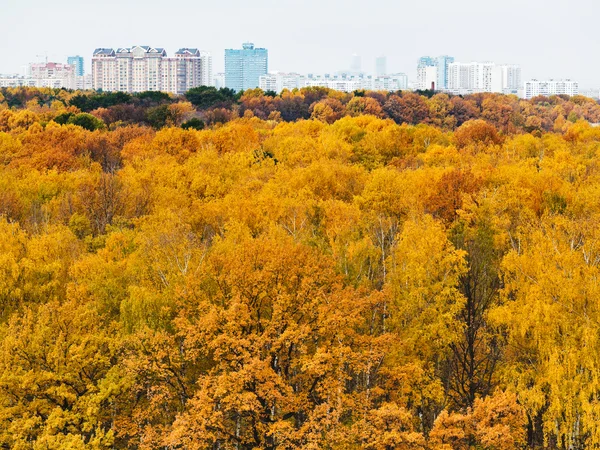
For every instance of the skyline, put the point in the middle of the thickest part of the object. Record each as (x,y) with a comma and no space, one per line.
(311,37)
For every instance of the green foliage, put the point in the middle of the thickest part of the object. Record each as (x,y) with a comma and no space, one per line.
(153,96)
(193,123)
(63,118)
(207,96)
(88,103)
(158,116)
(86,121)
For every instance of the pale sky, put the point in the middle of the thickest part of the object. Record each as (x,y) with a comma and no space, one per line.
(548,38)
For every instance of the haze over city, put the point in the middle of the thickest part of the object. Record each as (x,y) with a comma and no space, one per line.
(549,39)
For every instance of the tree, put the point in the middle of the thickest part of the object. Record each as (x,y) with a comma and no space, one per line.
(86,121)
(57,388)
(477,133)
(471,368)
(193,123)
(409,108)
(279,367)
(205,97)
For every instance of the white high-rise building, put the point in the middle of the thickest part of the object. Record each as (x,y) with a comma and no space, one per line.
(427,77)
(511,78)
(466,78)
(206,65)
(142,68)
(533,88)
(432,73)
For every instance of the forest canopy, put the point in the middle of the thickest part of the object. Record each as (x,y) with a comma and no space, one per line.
(310,270)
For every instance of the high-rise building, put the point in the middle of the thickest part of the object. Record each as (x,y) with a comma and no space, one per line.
(380,66)
(442,63)
(243,67)
(428,78)
(77,62)
(426,61)
(50,70)
(511,78)
(427,73)
(142,68)
(468,78)
(533,88)
(194,68)
(206,65)
(356,63)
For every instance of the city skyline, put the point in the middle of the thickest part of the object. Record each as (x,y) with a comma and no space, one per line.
(144,68)
(323,42)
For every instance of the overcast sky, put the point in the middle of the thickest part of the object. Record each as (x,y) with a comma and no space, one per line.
(548,38)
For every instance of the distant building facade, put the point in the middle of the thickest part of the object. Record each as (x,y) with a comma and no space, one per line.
(433,73)
(48,75)
(245,66)
(511,76)
(51,70)
(533,88)
(219,80)
(277,82)
(78,64)
(380,66)
(143,68)
(442,63)
(350,83)
(206,68)
(356,63)
(392,82)
(468,78)
(474,77)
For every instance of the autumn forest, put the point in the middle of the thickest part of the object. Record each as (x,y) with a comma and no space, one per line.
(305,270)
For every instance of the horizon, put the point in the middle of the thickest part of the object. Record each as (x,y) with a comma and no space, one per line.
(321,42)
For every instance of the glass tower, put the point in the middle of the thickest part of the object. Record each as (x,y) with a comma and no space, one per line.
(442,70)
(76,61)
(243,67)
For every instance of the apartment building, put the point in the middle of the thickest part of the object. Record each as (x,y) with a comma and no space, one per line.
(50,70)
(350,83)
(534,88)
(474,77)
(48,75)
(78,63)
(277,82)
(432,73)
(143,68)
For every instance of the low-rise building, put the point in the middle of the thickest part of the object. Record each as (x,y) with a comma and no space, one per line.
(534,88)
(278,81)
